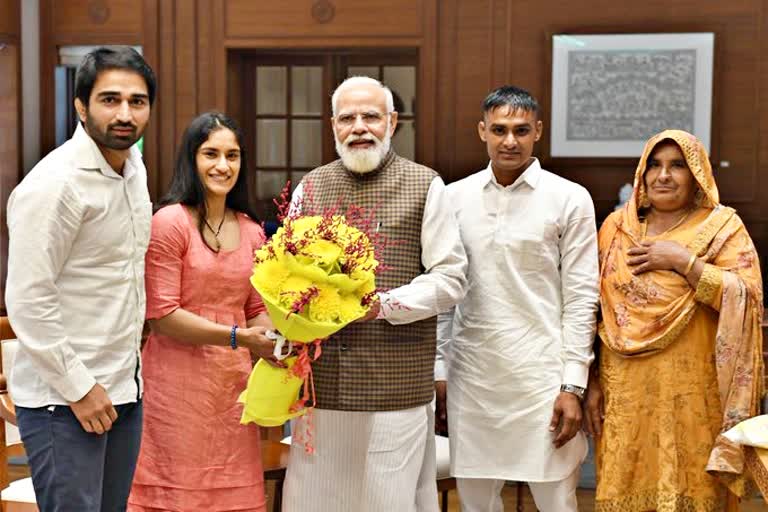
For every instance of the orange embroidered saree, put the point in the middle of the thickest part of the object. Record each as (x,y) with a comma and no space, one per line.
(678,365)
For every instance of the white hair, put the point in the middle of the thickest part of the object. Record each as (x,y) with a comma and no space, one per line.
(362,80)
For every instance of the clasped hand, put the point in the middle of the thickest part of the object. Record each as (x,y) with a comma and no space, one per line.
(255,339)
(658,255)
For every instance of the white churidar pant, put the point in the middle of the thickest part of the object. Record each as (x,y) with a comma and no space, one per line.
(484,494)
(364,462)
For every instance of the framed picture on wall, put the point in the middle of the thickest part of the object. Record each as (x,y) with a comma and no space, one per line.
(611,92)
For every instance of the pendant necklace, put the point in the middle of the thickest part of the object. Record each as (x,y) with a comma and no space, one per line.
(216,231)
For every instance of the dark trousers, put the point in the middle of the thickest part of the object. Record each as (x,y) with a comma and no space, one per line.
(74,471)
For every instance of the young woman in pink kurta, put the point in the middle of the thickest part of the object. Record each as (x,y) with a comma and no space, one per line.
(195,455)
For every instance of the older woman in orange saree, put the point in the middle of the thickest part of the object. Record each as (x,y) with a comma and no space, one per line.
(681,345)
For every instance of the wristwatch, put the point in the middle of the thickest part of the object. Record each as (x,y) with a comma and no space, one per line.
(576,390)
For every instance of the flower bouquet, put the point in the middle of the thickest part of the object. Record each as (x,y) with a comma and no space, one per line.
(315,276)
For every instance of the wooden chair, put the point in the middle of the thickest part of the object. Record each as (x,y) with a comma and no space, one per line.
(17,496)
(274,461)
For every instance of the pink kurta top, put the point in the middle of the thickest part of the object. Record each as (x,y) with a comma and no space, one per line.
(195,454)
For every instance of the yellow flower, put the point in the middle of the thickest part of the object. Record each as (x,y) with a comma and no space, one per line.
(264,253)
(326,265)
(325,306)
(268,277)
(367,287)
(304,267)
(292,289)
(350,309)
(362,274)
(323,252)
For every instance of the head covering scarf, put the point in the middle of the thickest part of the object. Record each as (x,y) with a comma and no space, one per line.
(644,314)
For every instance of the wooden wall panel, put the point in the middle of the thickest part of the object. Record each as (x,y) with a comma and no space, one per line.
(10,13)
(507,41)
(446,91)
(167,71)
(205,76)
(760,125)
(302,18)
(483,47)
(736,25)
(191,70)
(186,65)
(97,16)
(466,48)
(428,83)
(86,22)
(473,80)
(757,213)
(151,33)
(10,123)
(211,56)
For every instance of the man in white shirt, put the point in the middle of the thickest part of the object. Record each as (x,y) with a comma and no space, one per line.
(79,228)
(517,350)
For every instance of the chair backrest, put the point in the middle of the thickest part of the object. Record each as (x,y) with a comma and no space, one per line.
(7,355)
(7,411)
(8,351)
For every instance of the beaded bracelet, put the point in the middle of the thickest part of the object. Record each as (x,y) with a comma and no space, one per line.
(233,337)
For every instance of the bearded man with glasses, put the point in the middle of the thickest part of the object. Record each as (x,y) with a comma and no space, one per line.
(373,422)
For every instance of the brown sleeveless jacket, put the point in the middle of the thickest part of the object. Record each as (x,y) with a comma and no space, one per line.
(375,366)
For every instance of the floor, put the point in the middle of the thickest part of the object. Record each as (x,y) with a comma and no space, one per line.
(586,497)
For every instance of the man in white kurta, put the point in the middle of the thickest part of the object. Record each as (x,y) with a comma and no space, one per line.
(517,350)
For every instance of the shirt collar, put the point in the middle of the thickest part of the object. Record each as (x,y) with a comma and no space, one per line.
(88,156)
(531,176)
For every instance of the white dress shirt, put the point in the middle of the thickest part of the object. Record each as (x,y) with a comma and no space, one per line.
(75,291)
(443,283)
(526,326)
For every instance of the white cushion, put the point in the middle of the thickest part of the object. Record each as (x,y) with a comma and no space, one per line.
(443,456)
(20,491)
(9,348)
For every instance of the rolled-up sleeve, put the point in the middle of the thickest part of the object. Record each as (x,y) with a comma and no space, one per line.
(43,221)
(444,281)
(579,285)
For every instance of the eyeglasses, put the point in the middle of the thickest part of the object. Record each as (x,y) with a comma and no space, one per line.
(369,118)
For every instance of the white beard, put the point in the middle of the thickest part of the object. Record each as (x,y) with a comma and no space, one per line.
(363,161)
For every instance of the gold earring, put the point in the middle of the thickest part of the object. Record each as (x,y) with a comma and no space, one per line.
(643,199)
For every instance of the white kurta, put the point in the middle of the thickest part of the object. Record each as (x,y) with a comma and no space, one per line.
(525,327)
(384,460)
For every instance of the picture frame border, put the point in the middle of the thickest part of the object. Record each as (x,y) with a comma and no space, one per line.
(564,43)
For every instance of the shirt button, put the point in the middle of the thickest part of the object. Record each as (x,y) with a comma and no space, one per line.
(344,347)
